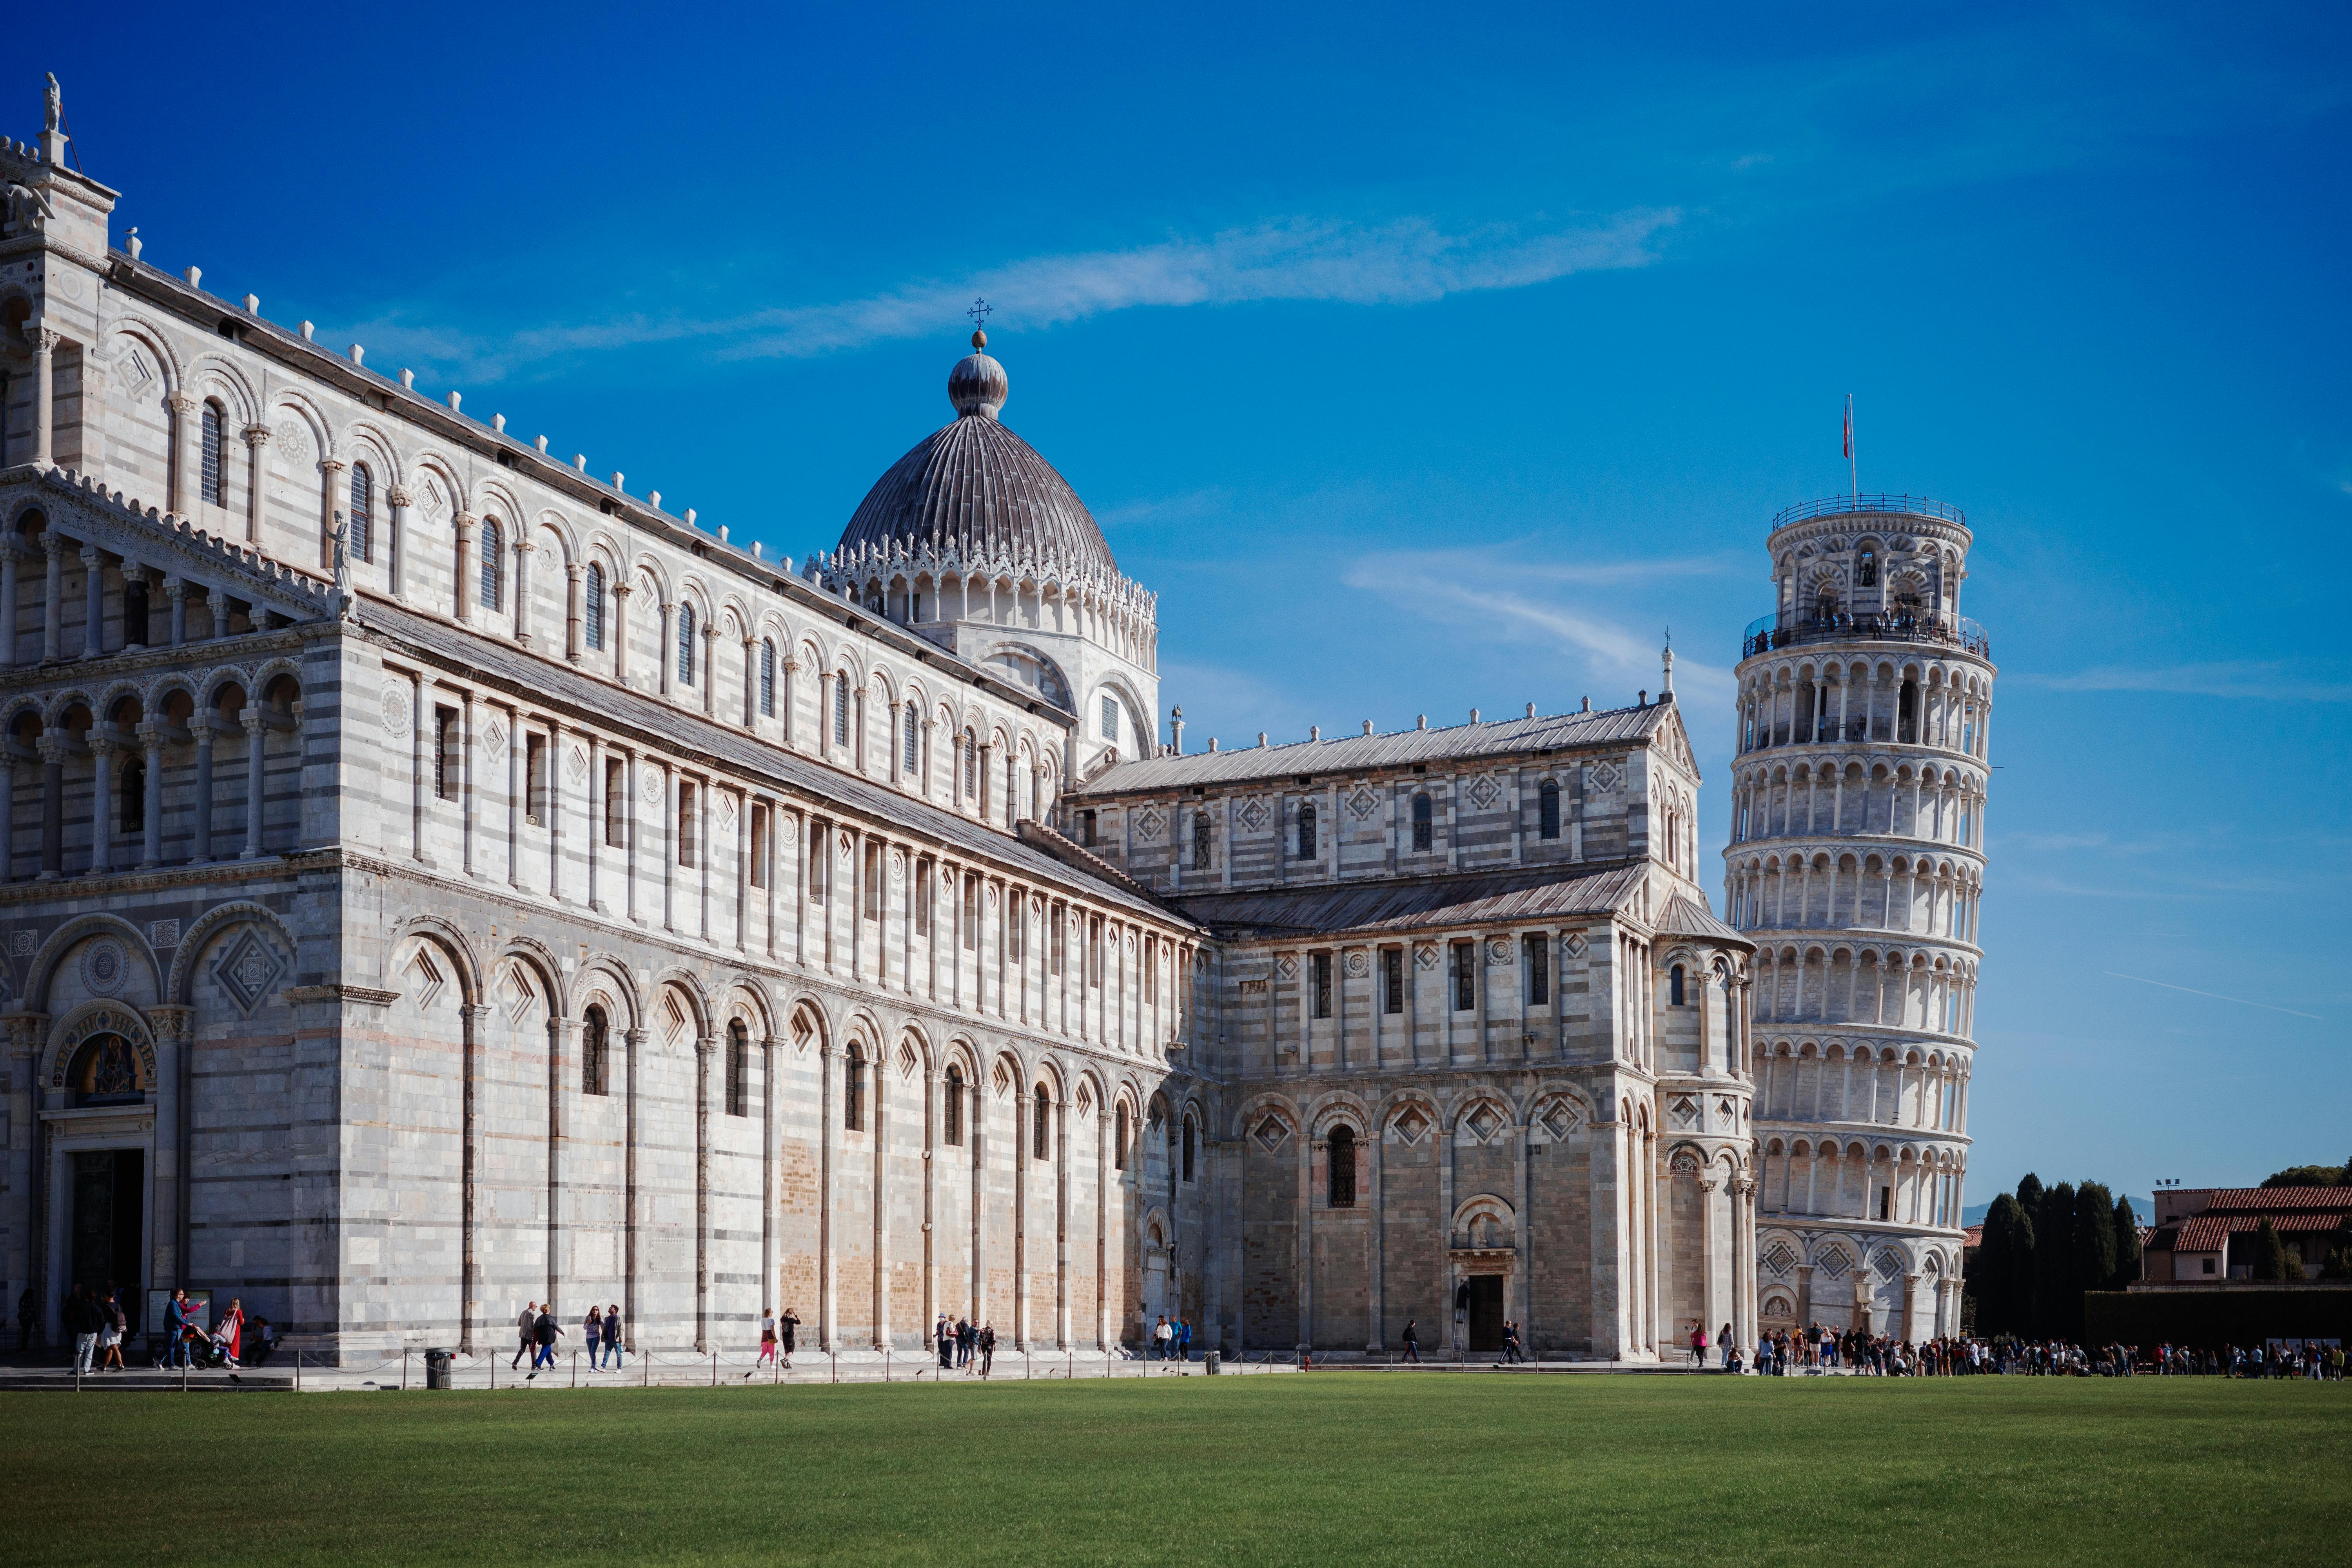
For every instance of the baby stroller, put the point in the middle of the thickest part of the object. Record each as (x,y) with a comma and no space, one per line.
(205,1352)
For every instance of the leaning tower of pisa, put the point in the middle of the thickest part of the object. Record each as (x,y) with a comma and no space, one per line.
(1857,863)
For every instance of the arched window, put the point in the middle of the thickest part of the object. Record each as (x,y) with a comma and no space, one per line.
(841,708)
(1865,567)
(1203,842)
(1342,1161)
(595,1044)
(739,1069)
(1548,810)
(970,764)
(214,456)
(914,738)
(494,560)
(1307,831)
(1041,1138)
(1423,831)
(1191,1136)
(359,539)
(853,1090)
(1119,1145)
(767,678)
(951,1113)
(686,644)
(1110,719)
(592,608)
(132,798)
(1675,985)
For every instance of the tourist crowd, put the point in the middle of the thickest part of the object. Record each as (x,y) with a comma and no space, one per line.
(1880,1356)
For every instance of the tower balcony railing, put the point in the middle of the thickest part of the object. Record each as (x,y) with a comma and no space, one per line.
(1792,630)
(1895,506)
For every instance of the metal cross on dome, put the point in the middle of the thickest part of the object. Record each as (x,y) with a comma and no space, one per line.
(979,314)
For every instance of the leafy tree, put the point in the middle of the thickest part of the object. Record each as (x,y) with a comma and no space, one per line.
(2339,1256)
(2028,1194)
(2094,1249)
(2001,1276)
(2057,1300)
(2270,1254)
(2311,1176)
(2126,1229)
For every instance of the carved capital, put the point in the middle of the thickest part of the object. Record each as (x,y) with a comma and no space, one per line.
(56,544)
(182,403)
(524,546)
(92,555)
(398,496)
(574,571)
(25,1031)
(256,436)
(52,747)
(45,341)
(622,591)
(332,465)
(170,1023)
(176,587)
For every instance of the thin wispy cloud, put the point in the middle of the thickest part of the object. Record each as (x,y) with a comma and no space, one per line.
(2236,679)
(2216,996)
(1407,262)
(1475,588)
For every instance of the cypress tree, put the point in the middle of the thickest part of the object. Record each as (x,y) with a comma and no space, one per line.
(2094,1249)
(2270,1254)
(2126,1226)
(2028,1194)
(2004,1262)
(2053,1263)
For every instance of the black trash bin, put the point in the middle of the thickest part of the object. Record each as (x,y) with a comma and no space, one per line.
(436,1368)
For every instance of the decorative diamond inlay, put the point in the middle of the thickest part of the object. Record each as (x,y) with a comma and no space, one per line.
(1779,1260)
(1253,815)
(1272,1133)
(247,970)
(1833,1264)
(1363,803)
(1889,1266)
(1683,1114)
(1286,967)
(1148,822)
(1411,1125)
(1483,1122)
(1483,792)
(1558,1118)
(1424,956)
(1574,945)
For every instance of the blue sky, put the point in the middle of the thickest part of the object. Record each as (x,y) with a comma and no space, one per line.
(1428,359)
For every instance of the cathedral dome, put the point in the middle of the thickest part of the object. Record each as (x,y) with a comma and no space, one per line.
(974,487)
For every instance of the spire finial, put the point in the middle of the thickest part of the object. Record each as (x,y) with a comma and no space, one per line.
(1668,689)
(979,314)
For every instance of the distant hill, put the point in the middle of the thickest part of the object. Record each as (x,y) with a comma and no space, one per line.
(2142,1204)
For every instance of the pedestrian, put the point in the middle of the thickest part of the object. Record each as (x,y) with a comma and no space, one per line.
(613,1334)
(786,1335)
(81,1321)
(1160,1336)
(963,1342)
(591,1333)
(229,1332)
(1698,1346)
(1510,1343)
(943,1340)
(767,1340)
(111,1330)
(987,1348)
(175,1332)
(1183,1340)
(1722,1342)
(525,1326)
(544,1331)
(1412,1340)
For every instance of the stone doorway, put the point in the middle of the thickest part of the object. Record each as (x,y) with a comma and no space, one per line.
(109,1224)
(1486,1311)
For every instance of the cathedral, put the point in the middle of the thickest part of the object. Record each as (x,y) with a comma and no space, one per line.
(435,877)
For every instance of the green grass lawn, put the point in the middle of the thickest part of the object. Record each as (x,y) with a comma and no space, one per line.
(1335,1467)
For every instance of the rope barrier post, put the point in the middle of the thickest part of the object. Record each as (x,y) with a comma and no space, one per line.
(298,1372)
(403,1369)
(714,1369)
(836,1363)
(494,1374)
(646,1369)
(575,1369)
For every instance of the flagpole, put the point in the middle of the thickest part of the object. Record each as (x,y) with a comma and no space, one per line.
(1854,460)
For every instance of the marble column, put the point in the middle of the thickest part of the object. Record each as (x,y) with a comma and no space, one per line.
(152,732)
(330,470)
(523,551)
(574,575)
(709,671)
(208,726)
(421,785)
(704,1046)
(621,592)
(12,550)
(101,805)
(45,347)
(93,602)
(257,730)
(465,590)
(186,461)
(397,545)
(53,613)
(256,437)
(53,804)
(751,684)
